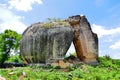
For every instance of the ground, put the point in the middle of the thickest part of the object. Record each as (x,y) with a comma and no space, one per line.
(108,69)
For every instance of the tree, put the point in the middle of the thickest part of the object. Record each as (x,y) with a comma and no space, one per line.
(9,40)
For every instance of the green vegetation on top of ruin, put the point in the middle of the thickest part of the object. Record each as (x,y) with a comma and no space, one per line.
(55,22)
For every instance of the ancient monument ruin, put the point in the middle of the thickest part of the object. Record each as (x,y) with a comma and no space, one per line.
(40,44)
(47,42)
(85,41)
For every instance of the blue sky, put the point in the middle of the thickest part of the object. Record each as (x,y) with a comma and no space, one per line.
(103,15)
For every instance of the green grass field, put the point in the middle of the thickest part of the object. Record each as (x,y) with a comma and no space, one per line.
(108,69)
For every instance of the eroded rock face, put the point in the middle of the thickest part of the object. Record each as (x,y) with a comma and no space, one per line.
(44,44)
(40,44)
(85,41)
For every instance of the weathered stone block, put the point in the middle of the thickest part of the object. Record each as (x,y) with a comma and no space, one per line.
(85,41)
(41,44)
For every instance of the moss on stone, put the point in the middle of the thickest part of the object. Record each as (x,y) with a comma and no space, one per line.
(55,23)
(48,25)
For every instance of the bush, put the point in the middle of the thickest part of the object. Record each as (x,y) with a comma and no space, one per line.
(57,67)
(48,25)
(54,22)
(15,58)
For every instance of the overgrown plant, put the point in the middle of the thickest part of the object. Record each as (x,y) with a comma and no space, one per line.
(9,40)
(53,22)
(15,58)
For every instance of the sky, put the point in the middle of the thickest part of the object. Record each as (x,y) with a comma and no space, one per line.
(103,16)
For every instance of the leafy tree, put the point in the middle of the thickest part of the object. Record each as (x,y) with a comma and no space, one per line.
(9,40)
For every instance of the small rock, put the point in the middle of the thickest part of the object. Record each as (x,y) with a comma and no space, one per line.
(62,64)
(2,78)
(24,74)
(11,73)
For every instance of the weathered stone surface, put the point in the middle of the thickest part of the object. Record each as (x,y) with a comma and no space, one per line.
(41,44)
(62,64)
(85,41)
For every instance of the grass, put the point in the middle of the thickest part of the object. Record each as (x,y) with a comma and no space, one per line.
(55,22)
(108,69)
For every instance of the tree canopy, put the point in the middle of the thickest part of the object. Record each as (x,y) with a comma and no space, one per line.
(9,40)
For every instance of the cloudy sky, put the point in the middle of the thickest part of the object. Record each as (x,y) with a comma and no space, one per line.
(103,15)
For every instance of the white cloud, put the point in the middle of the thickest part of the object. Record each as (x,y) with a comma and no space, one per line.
(16,26)
(104,32)
(23,5)
(116,45)
(9,20)
(3,5)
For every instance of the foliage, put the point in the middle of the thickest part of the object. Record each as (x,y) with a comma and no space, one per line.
(57,67)
(15,58)
(54,22)
(48,25)
(106,61)
(9,40)
(71,56)
(109,70)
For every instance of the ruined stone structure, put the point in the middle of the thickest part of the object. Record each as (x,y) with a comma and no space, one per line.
(41,44)
(85,41)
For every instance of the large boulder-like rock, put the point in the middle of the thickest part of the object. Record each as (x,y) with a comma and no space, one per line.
(44,42)
(85,41)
